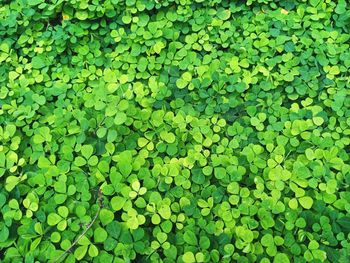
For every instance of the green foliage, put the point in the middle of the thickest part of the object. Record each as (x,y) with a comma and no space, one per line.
(174,131)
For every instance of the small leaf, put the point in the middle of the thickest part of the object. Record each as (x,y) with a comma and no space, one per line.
(86,151)
(4,232)
(81,15)
(188,257)
(117,203)
(80,252)
(106,216)
(53,219)
(38,62)
(100,235)
(224,14)
(306,202)
(190,238)
(93,251)
(120,118)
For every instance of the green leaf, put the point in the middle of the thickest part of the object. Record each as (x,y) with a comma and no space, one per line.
(281,257)
(106,216)
(162,237)
(164,211)
(11,183)
(314,2)
(132,223)
(93,251)
(4,232)
(114,229)
(220,172)
(117,203)
(224,14)
(86,151)
(169,137)
(53,219)
(344,223)
(125,168)
(341,7)
(79,161)
(38,62)
(306,202)
(181,83)
(120,118)
(267,240)
(100,235)
(81,15)
(63,211)
(35,2)
(80,252)
(188,257)
(84,241)
(190,238)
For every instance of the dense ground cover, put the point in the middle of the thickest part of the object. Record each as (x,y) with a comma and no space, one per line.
(174,131)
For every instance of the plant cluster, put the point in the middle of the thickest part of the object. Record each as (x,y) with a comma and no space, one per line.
(174,131)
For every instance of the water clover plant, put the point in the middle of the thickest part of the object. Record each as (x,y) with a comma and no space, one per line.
(175,131)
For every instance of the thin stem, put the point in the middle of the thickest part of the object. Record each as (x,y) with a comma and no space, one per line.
(99,201)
